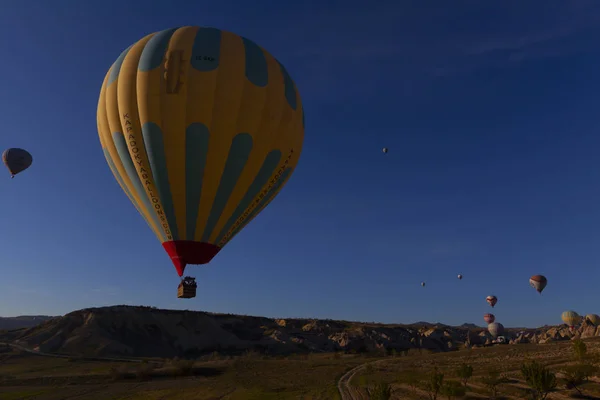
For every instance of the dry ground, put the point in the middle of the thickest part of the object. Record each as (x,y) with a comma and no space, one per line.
(506,359)
(27,376)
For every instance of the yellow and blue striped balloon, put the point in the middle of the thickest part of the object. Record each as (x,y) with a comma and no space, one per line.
(201,128)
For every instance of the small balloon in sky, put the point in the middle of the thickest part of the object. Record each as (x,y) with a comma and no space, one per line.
(16,160)
(489,318)
(538,282)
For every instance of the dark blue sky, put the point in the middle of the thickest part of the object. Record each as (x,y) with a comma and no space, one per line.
(489,111)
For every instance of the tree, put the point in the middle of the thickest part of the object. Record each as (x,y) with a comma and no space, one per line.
(434,384)
(464,372)
(452,389)
(541,380)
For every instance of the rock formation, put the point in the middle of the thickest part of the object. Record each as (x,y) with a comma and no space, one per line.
(150,332)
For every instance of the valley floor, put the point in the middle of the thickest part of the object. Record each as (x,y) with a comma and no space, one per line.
(28,376)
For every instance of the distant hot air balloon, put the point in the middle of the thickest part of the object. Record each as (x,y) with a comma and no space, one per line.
(593,319)
(385,150)
(489,318)
(571,318)
(16,160)
(459,276)
(538,282)
(201,128)
(422,283)
(495,329)
(492,300)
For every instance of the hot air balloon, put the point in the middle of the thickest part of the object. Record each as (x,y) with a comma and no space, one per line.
(422,283)
(571,318)
(495,329)
(489,318)
(16,160)
(593,319)
(459,276)
(492,300)
(201,128)
(385,150)
(538,282)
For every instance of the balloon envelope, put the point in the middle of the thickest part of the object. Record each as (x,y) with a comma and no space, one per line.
(570,318)
(201,129)
(16,160)
(492,300)
(593,319)
(495,329)
(489,318)
(538,282)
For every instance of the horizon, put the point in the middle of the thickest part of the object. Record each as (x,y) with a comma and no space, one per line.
(488,112)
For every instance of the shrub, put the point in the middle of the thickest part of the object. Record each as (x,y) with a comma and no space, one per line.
(249,359)
(412,379)
(541,380)
(144,371)
(380,391)
(434,384)
(183,367)
(452,389)
(464,372)
(363,381)
(118,373)
(492,380)
(576,375)
(579,348)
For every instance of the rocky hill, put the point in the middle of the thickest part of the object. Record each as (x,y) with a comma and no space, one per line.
(469,326)
(23,321)
(150,332)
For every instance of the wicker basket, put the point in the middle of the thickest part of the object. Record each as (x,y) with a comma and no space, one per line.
(186,291)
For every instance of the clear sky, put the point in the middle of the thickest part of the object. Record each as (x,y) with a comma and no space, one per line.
(489,111)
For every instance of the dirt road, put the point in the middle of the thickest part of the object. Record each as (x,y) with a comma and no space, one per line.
(347,392)
(41,353)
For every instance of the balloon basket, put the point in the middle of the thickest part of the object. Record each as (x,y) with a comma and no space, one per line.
(186,291)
